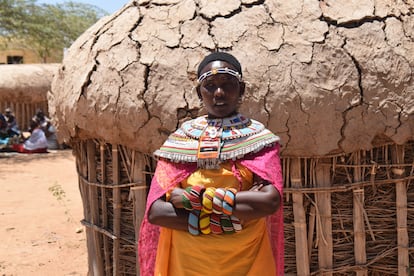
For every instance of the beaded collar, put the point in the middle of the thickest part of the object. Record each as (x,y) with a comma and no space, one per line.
(231,127)
(237,137)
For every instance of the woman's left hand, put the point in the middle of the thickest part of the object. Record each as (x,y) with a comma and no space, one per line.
(261,200)
(176,197)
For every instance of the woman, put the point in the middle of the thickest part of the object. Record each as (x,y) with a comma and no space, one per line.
(36,143)
(215,202)
(4,137)
(12,127)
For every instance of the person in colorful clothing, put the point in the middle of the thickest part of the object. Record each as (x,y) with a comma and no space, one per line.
(215,201)
(12,127)
(36,143)
(48,128)
(4,136)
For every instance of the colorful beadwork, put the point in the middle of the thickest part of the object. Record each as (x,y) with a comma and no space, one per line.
(237,134)
(218,201)
(228,201)
(205,223)
(195,197)
(215,71)
(193,220)
(236,224)
(215,224)
(208,200)
(226,224)
(186,199)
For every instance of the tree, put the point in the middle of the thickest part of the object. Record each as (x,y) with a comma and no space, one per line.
(44,27)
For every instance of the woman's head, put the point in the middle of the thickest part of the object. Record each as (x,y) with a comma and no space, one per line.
(220,84)
(34,123)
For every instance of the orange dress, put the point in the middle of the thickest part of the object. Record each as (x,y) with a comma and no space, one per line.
(247,252)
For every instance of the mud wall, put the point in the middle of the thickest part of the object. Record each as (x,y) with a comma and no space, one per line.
(326,76)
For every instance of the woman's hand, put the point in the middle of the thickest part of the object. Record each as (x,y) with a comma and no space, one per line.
(256,187)
(261,200)
(176,198)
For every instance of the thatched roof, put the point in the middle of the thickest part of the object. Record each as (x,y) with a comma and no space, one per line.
(26,82)
(327,76)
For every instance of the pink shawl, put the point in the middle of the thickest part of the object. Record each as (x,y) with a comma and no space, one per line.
(265,163)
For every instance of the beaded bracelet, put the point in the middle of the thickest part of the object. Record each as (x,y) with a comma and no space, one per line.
(218,201)
(192,202)
(215,224)
(216,207)
(236,224)
(195,197)
(228,201)
(205,223)
(226,224)
(208,200)
(193,220)
(186,199)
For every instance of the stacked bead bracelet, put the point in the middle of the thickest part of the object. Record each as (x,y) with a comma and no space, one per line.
(210,210)
(228,201)
(191,202)
(206,210)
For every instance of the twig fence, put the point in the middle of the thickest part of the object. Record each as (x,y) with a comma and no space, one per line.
(348,214)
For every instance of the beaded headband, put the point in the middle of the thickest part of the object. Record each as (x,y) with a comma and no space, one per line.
(219,71)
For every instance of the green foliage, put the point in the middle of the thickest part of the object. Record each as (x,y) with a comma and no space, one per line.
(13,14)
(57,191)
(60,194)
(45,27)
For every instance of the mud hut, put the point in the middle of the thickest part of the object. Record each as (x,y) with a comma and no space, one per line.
(332,78)
(24,87)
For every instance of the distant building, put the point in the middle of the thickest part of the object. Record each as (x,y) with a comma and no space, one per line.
(16,52)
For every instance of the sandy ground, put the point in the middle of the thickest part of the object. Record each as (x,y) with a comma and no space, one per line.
(40,213)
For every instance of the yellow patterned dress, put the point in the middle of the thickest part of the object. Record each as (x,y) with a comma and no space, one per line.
(247,252)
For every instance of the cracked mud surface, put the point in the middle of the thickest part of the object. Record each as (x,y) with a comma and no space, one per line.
(326,76)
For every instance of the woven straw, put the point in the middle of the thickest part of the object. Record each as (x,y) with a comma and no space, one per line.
(344,214)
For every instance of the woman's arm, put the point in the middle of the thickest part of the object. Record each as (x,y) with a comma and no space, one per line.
(262,200)
(257,202)
(164,213)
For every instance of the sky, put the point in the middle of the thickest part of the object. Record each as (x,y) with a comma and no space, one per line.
(110,6)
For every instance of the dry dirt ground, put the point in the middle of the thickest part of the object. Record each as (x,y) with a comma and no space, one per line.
(40,213)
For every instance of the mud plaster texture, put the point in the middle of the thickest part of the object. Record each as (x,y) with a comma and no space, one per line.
(26,82)
(326,76)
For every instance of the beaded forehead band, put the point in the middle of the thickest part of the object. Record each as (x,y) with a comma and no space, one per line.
(219,71)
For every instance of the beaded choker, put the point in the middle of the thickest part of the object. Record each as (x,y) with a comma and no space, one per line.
(228,128)
(219,71)
(208,142)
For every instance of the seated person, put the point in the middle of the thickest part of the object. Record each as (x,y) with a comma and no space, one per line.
(52,142)
(36,143)
(3,125)
(4,139)
(48,129)
(41,118)
(12,128)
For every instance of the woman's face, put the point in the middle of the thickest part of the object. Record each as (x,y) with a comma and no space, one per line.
(220,92)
